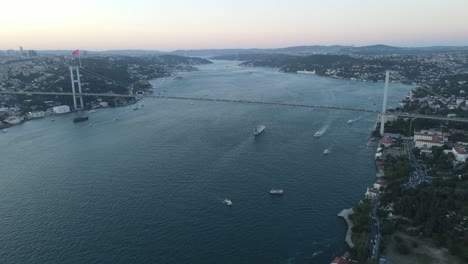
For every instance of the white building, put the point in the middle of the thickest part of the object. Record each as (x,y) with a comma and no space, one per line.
(61,109)
(460,154)
(427,144)
(428,139)
(36,114)
(371,193)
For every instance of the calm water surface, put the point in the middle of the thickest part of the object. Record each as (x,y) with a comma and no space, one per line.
(148,187)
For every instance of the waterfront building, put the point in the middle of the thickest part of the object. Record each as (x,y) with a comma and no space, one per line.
(36,114)
(380,183)
(62,109)
(371,193)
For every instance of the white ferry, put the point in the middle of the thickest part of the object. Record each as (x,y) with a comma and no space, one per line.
(306,72)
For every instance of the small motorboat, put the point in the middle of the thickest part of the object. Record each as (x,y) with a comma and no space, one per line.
(350,121)
(318,134)
(227,201)
(326,151)
(276,191)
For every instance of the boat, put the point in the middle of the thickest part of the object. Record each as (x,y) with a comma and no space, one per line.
(306,72)
(80,119)
(326,151)
(350,121)
(318,134)
(92,111)
(4,131)
(276,191)
(258,130)
(227,201)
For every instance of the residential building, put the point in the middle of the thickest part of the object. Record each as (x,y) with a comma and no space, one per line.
(387,141)
(460,154)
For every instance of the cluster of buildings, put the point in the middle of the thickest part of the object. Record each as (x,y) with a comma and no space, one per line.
(409,69)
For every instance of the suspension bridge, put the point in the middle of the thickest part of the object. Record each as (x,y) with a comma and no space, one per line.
(76,83)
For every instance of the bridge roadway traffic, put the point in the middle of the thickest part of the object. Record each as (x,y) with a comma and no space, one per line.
(408,115)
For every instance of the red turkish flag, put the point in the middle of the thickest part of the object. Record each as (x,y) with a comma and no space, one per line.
(76,52)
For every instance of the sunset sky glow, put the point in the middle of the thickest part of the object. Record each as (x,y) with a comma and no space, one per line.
(178,24)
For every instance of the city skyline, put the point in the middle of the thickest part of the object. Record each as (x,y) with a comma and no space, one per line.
(206,24)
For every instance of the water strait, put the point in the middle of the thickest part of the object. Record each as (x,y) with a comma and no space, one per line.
(147,186)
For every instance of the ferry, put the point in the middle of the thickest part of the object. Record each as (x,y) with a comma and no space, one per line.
(276,191)
(227,201)
(306,72)
(80,119)
(350,121)
(317,134)
(326,151)
(258,130)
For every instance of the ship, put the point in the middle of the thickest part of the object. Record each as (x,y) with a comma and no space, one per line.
(350,121)
(258,130)
(227,201)
(317,134)
(326,151)
(80,119)
(306,72)
(276,191)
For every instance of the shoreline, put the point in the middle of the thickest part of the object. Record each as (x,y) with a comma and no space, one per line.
(345,215)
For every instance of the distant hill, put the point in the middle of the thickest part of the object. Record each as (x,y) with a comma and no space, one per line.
(379,49)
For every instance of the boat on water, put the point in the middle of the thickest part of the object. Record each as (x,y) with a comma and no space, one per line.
(306,72)
(4,131)
(258,130)
(227,201)
(276,191)
(350,121)
(318,134)
(92,111)
(80,119)
(326,151)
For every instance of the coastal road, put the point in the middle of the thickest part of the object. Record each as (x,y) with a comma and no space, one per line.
(374,236)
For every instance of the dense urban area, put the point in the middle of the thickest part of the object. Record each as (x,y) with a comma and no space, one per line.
(114,74)
(417,209)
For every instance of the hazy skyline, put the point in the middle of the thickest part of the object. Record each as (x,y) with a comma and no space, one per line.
(177,24)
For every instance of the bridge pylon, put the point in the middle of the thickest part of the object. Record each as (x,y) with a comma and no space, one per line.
(384,105)
(76,80)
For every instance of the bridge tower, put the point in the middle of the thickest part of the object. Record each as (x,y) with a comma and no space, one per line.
(384,105)
(78,82)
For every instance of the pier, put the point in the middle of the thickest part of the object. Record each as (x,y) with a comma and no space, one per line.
(345,214)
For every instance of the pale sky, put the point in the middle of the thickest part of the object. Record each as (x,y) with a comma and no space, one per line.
(183,24)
